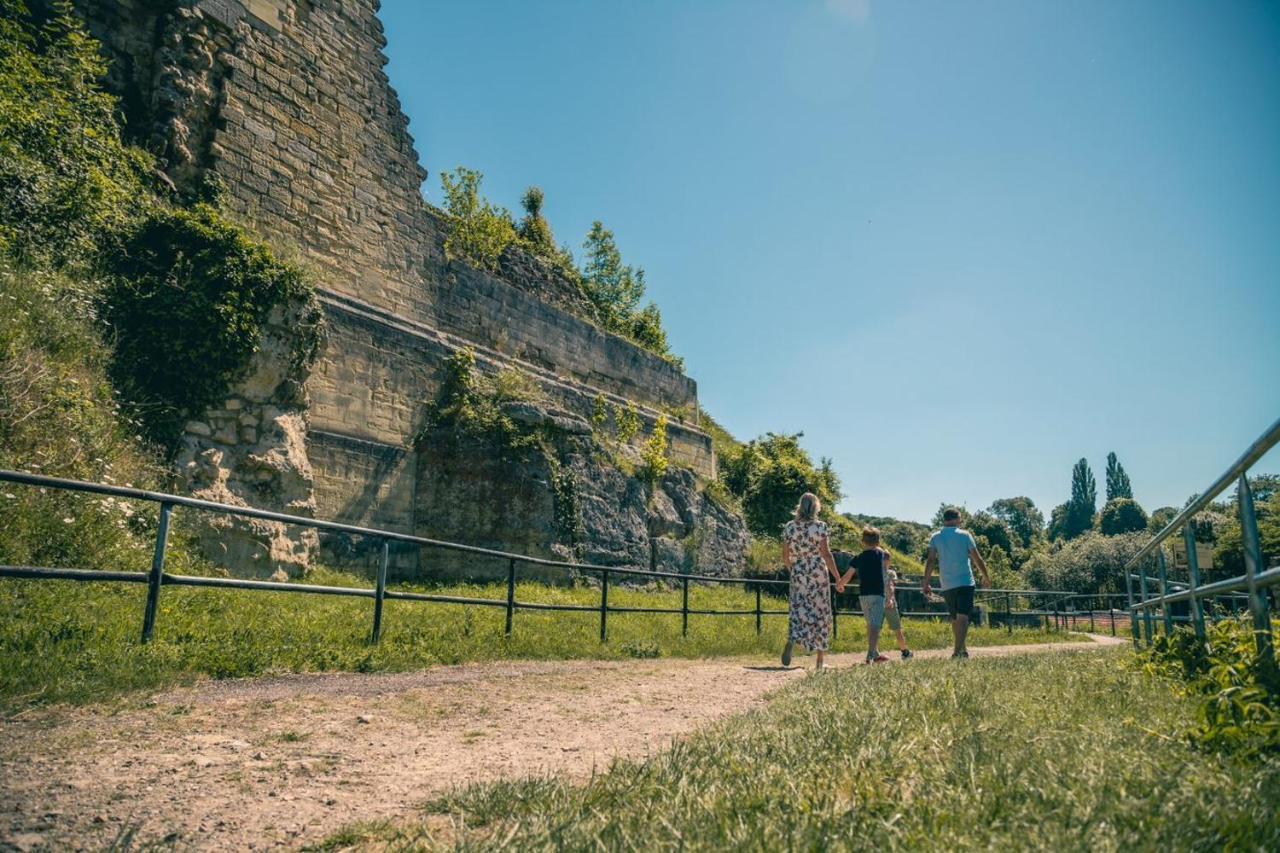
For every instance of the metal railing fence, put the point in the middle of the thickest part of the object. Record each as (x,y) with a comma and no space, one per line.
(1255,582)
(1041,606)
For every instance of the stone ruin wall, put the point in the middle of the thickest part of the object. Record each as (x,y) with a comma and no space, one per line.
(287,102)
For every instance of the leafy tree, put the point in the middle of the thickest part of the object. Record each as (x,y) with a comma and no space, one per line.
(614,287)
(943,507)
(1117,480)
(1160,518)
(1122,515)
(479,230)
(996,532)
(770,474)
(1021,515)
(1076,515)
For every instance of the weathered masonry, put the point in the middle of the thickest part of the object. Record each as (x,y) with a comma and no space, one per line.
(286,102)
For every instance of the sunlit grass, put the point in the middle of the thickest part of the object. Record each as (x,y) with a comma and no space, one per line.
(1066,751)
(77,642)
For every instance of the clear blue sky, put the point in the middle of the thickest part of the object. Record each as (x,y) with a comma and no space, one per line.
(958,245)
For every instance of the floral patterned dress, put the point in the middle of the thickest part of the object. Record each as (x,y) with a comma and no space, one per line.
(810,585)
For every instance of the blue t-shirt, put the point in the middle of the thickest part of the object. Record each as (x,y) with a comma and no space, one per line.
(952,547)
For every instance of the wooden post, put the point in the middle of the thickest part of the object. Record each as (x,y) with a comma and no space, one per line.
(380,591)
(156,578)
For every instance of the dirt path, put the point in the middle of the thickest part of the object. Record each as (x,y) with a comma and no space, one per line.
(263,763)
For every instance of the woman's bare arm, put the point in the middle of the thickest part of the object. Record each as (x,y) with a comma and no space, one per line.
(829,559)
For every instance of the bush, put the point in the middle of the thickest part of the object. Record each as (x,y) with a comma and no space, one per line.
(479,230)
(653,455)
(188,295)
(1240,694)
(770,474)
(66,177)
(1089,564)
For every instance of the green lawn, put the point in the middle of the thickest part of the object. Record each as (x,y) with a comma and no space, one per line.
(1066,751)
(63,641)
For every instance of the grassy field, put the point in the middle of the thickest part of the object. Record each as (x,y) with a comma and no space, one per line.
(1069,751)
(74,642)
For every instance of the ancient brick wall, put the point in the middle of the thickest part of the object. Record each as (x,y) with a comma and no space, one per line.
(287,103)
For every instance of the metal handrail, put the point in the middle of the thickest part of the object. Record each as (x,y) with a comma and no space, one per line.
(1253,581)
(1256,451)
(320,524)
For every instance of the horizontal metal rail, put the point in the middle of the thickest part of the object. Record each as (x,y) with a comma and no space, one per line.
(158,578)
(1253,582)
(1256,451)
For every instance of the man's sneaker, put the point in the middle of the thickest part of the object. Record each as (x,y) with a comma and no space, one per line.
(906,654)
(786,653)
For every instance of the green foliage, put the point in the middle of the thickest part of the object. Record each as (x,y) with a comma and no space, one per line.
(472,403)
(1077,516)
(1032,752)
(627,422)
(188,296)
(770,474)
(568,509)
(66,178)
(654,460)
(535,235)
(1238,690)
(1117,480)
(59,416)
(1229,548)
(1121,515)
(1020,513)
(78,642)
(479,230)
(1090,563)
(1161,517)
(641,649)
(616,289)
(996,532)
(599,411)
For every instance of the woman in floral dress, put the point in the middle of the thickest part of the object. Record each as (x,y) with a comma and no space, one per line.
(807,553)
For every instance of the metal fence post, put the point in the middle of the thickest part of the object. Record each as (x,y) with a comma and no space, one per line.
(1133,614)
(835,624)
(156,577)
(684,608)
(1164,591)
(758,625)
(1252,565)
(511,593)
(380,592)
(604,605)
(1008,612)
(1193,567)
(1148,628)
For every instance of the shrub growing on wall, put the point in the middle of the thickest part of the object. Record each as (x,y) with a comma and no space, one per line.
(65,176)
(188,296)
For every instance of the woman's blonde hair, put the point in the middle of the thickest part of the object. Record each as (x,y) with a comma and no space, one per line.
(808,508)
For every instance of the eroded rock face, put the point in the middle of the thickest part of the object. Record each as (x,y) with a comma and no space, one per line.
(572,501)
(252,452)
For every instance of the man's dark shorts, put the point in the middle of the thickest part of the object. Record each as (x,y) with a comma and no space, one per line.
(959,600)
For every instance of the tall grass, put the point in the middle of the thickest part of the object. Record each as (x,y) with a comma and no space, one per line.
(78,642)
(1062,752)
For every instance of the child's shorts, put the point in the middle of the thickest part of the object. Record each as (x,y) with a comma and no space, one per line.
(893,618)
(872,609)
